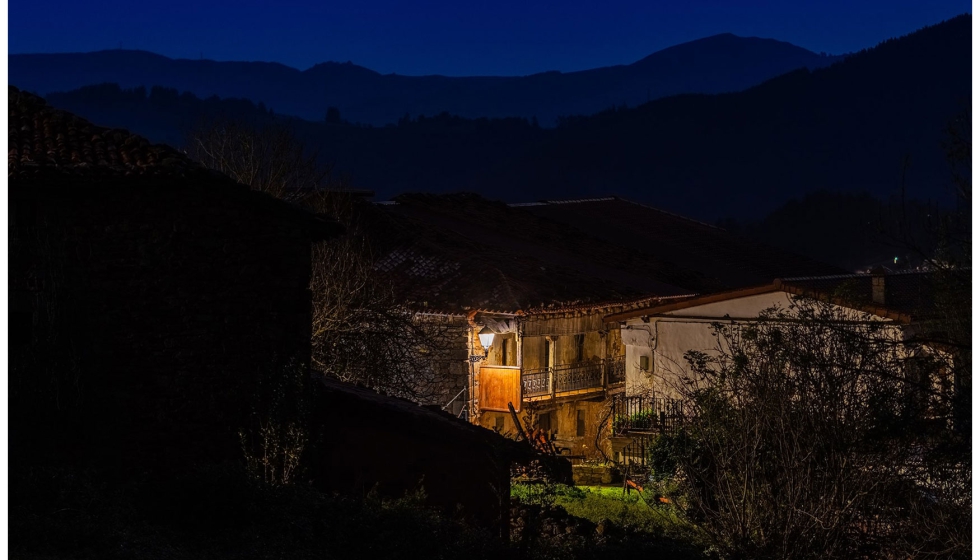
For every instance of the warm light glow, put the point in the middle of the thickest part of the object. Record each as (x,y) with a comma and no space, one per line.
(486,338)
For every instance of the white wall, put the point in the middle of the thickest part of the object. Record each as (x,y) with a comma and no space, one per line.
(666,338)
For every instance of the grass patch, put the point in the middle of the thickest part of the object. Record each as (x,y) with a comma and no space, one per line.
(641,516)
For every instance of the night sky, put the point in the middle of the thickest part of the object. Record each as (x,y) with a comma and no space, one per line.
(451,37)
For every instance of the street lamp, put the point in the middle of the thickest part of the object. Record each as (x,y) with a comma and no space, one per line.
(486,339)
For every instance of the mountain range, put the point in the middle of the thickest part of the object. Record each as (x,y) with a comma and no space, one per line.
(873,122)
(721,63)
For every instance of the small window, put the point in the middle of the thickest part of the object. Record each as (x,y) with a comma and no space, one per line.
(498,422)
(547,353)
(644,363)
(505,352)
(544,421)
(579,347)
(918,382)
(580,423)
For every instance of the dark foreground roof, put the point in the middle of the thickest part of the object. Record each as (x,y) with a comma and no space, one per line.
(462,252)
(41,137)
(51,148)
(423,420)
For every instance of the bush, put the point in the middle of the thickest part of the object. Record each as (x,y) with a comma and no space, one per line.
(220,512)
(808,439)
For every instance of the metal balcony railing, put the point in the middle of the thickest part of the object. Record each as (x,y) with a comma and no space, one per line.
(645,414)
(573,377)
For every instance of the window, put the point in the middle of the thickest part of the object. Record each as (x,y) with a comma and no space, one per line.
(505,352)
(580,423)
(644,363)
(579,347)
(498,422)
(547,353)
(544,421)
(918,382)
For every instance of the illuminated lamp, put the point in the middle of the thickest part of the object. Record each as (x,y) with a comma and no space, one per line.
(486,339)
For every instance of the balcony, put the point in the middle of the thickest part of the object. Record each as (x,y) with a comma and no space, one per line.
(577,378)
(644,414)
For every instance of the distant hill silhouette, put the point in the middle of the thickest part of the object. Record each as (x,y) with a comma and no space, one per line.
(721,63)
(846,128)
(851,230)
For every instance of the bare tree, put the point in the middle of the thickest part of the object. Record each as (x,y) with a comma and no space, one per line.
(265,157)
(361,332)
(806,438)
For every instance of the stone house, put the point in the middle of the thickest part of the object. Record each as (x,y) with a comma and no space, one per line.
(147,294)
(541,277)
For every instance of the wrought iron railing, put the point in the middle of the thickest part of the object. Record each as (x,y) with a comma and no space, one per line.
(616,370)
(576,377)
(572,377)
(536,383)
(646,414)
(636,453)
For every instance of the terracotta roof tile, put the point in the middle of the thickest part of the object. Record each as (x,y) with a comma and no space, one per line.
(44,139)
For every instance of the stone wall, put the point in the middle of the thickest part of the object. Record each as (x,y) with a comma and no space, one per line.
(595,475)
(450,366)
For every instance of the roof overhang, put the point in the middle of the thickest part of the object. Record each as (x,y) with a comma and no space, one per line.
(776,286)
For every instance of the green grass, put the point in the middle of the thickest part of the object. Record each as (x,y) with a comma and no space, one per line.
(633,513)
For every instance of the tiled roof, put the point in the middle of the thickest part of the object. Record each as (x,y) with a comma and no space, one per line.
(44,139)
(462,252)
(724,261)
(58,148)
(428,420)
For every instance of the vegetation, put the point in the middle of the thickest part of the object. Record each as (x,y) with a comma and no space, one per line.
(808,439)
(361,332)
(639,519)
(219,512)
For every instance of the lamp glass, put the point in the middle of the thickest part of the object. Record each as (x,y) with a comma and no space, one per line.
(486,338)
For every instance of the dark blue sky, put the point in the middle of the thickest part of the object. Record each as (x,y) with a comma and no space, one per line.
(454,37)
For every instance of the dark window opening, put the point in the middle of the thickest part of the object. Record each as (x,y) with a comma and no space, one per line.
(579,347)
(918,383)
(580,423)
(544,421)
(547,353)
(498,423)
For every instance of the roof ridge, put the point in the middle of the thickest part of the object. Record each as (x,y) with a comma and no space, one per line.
(561,201)
(855,275)
(662,211)
(609,199)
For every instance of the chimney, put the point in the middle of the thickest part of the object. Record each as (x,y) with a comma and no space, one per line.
(878,285)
